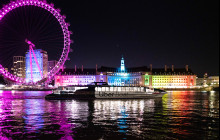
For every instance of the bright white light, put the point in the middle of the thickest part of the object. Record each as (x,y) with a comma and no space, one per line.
(1,86)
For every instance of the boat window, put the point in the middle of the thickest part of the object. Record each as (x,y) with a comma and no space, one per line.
(119,89)
(98,89)
(127,89)
(103,89)
(107,88)
(123,89)
(115,88)
(135,89)
(111,88)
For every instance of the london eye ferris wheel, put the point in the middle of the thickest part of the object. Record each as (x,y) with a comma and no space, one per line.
(27,27)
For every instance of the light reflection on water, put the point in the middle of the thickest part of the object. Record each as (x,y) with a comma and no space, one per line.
(178,115)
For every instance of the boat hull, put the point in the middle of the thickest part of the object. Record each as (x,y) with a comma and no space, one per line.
(103,95)
(126,95)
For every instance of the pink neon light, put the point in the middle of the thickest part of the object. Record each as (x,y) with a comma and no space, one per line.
(31,45)
(35,58)
(31,65)
(61,19)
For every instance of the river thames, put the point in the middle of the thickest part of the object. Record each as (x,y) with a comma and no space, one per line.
(178,115)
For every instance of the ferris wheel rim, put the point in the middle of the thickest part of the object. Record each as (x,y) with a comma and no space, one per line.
(66,33)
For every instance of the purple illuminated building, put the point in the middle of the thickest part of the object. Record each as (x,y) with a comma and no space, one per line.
(33,71)
(75,77)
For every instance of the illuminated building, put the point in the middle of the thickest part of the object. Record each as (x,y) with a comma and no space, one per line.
(200,82)
(51,65)
(101,76)
(166,78)
(19,66)
(75,77)
(157,78)
(213,81)
(124,76)
(66,80)
(171,78)
(173,81)
(124,79)
(42,59)
(208,81)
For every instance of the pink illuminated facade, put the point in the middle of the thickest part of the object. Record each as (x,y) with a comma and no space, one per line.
(171,78)
(66,80)
(77,76)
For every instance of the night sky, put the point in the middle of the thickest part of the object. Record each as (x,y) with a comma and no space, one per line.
(145,32)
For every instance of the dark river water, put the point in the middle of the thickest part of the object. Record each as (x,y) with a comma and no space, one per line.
(178,115)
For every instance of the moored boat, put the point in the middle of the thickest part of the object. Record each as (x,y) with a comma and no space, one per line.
(100,90)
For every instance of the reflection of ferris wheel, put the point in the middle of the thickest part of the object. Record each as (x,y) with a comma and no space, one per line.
(66,33)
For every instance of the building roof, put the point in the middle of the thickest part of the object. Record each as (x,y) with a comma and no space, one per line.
(177,71)
(78,71)
(155,71)
(134,69)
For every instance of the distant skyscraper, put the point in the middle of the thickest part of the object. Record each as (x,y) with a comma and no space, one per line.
(51,65)
(37,71)
(19,66)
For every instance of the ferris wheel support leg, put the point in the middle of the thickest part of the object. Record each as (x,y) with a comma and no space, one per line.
(35,58)
(31,65)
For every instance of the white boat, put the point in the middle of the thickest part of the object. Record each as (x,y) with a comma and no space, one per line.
(127,92)
(101,90)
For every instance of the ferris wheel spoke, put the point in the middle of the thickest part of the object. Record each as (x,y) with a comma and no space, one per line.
(38,66)
(31,64)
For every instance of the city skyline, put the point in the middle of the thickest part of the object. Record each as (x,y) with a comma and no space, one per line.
(116,69)
(145,32)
